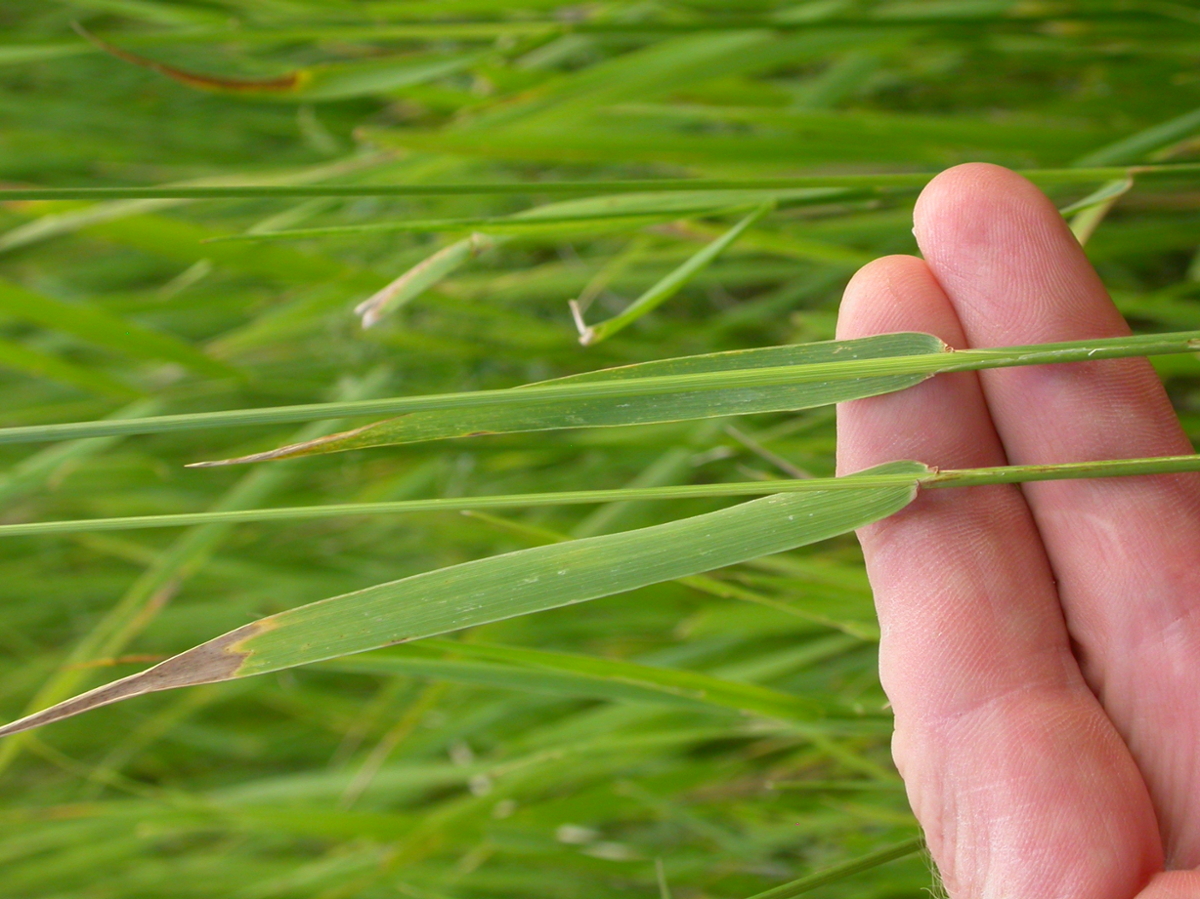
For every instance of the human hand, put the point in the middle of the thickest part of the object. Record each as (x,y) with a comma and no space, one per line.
(1041,643)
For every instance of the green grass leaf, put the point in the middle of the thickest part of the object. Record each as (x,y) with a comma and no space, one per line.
(548,412)
(809,375)
(38,364)
(579,676)
(100,328)
(668,286)
(901,181)
(519,583)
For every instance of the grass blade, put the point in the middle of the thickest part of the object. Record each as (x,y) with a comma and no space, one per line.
(98,327)
(421,277)
(830,372)
(893,181)
(37,364)
(972,477)
(551,413)
(612,211)
(505,586)
(668,286)
(844,870)
(35,470)
(580,675)
(333,81)
(154,588)
(919,356)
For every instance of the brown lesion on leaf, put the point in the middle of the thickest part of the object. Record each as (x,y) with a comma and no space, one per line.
(284,83)
(217,660)
(293,450)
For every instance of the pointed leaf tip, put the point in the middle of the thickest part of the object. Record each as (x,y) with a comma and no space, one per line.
(217,660)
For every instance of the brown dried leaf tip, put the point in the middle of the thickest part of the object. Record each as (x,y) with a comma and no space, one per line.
(284,83)
(211,662)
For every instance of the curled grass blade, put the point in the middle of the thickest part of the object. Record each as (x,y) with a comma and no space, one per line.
(505,586)
(421,277)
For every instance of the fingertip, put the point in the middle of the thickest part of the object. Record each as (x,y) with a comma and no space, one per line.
(896,293)
(973,199)
(1007,259)
(1172,885)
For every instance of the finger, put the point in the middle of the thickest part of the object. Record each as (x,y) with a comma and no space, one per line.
(1125,551)
(1022,786)
(1172,885)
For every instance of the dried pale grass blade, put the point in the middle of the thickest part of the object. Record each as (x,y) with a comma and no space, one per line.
(421,277)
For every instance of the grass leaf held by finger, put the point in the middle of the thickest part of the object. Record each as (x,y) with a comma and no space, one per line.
(931,478)
(549,577)
(810,375)
(505,586)
(846,370)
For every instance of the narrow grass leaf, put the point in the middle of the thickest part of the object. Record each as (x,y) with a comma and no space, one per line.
(340,81)
(507,677)
(819,374)
(917,355)
(1091,210)
(579,676)
(94,325)
(1138,146)
(610,211)
(158,583)
(440,504)
(35,470)
(970,477)
(549,413)
(845,869)
(742,697)
(669,285)
(49,225)
(1048,177)
(36,364)
(1104,195)
(505,586)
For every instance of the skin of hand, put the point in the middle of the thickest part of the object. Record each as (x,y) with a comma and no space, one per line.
(1040,643)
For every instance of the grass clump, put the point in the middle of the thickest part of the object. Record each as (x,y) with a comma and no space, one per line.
(705,734)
